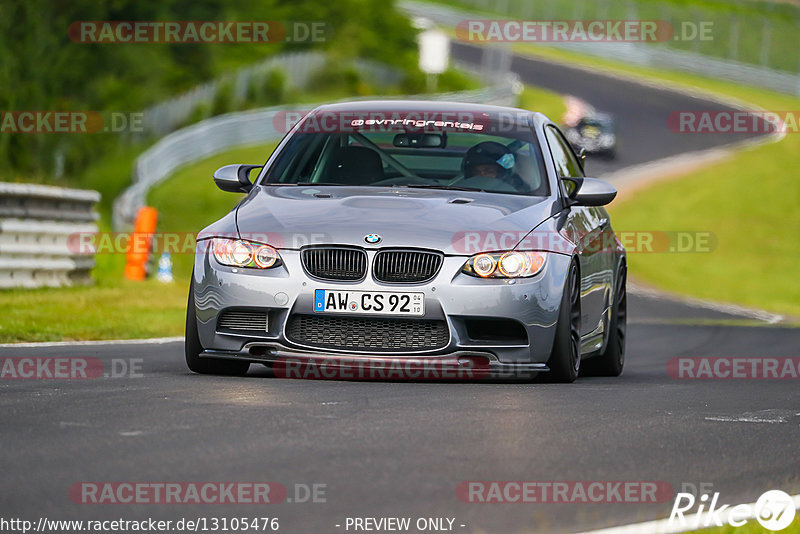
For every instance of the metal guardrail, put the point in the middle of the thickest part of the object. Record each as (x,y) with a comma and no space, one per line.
(217,134)
(297,67)
(634,53)
(38,226)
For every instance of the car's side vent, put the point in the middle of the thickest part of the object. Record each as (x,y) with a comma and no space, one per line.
(243,320)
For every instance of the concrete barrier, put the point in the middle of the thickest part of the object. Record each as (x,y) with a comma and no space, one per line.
(36,225)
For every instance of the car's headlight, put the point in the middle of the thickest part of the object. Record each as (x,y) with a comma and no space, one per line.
(512,264)
(240,253)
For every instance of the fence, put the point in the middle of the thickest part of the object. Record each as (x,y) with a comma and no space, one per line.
(37,224)
(762,50)
(217,134)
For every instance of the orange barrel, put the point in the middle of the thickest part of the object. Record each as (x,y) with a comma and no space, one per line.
(140,243)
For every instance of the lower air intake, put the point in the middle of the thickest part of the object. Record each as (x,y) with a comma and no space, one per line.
(368,334)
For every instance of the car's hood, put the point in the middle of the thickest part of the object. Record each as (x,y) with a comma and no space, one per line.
(293,216)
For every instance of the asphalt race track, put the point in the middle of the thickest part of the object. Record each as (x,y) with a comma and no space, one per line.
(400,449)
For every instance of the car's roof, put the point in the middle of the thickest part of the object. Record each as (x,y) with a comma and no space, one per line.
(433,107)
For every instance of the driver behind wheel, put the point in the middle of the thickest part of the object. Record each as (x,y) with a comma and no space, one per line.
(490,159)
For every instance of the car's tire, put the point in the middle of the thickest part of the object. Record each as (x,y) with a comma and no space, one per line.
(611,361)
(565,359)
(193,348)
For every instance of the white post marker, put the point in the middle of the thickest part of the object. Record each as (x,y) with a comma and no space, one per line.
(434,54)
(164,273)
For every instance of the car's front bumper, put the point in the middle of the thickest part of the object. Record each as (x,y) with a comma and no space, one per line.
(461,365)
(453,297)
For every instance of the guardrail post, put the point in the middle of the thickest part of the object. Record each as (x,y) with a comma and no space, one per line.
(766,41)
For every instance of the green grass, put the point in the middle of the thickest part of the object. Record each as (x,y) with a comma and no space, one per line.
(122,310)
(750,203)
(547,102)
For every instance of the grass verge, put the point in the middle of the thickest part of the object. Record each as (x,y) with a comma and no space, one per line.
(547,102)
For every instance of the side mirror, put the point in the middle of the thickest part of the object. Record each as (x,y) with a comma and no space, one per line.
(235,178)
(591,192)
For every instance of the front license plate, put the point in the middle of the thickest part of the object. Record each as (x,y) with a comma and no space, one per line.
(372,302)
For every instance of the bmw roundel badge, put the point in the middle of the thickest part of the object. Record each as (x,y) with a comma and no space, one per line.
(372,239)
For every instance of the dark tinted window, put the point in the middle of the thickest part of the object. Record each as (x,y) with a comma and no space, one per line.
(456,159)
(565,161)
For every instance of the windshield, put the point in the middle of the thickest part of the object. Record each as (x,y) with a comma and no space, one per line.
(440,159)
(603,124)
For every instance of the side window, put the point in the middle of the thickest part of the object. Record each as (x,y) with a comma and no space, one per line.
(566,163)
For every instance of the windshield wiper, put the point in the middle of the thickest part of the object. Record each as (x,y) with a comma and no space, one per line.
(303,183)
(417,186)
(320,183)
(445,187)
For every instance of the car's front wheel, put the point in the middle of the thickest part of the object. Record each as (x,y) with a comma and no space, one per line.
(193,348)
(565,359)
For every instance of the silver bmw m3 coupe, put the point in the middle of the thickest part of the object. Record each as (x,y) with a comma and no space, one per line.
(420,240)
